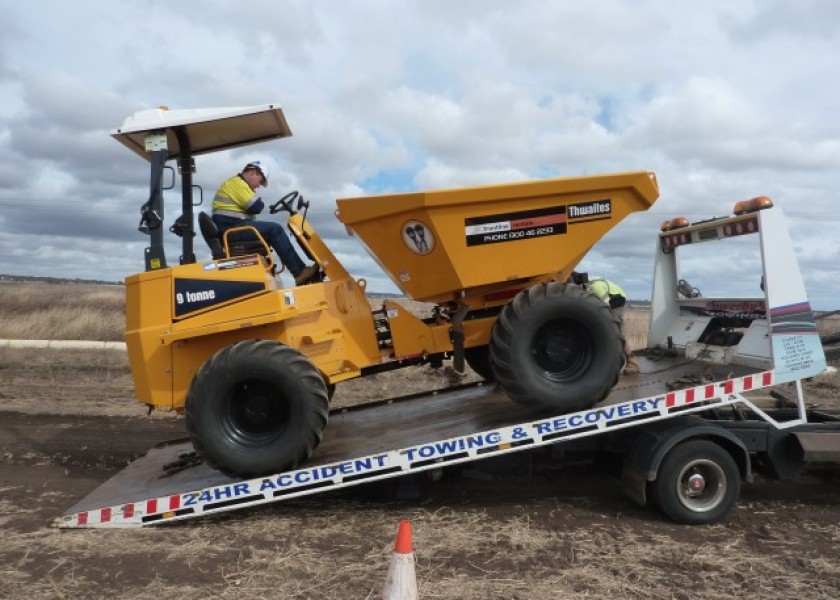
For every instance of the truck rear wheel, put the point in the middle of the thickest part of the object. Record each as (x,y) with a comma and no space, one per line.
(557,346)
(698,483)
(256,407)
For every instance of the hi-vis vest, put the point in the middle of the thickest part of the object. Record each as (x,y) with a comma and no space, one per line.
(604,289)
(234,198)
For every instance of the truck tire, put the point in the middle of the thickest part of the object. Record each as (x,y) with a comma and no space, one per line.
(256,407)
(478,358)
(698,483)
(557,346)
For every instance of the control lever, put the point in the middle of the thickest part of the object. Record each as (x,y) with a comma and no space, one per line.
(303,205)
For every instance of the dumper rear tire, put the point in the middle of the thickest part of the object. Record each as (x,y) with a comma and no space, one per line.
(256,407)
(557,346)
(478,358)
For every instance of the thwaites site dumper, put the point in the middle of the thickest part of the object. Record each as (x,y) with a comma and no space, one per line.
(686,430)
(252,366)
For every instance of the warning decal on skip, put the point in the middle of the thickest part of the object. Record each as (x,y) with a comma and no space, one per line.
(522,225)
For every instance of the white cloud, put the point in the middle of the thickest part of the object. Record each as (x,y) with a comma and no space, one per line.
(724,101)
(708,122)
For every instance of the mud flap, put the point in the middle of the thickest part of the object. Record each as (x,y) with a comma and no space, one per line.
(456,336)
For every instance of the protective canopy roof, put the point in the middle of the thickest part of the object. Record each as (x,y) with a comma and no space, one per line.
(208,129)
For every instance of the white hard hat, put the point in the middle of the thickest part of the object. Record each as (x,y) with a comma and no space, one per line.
(256,164)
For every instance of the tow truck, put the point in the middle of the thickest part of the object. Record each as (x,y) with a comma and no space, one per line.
(686,426)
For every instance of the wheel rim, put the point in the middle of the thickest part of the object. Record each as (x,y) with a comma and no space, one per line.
(701,486)
(257,412)
(561,350)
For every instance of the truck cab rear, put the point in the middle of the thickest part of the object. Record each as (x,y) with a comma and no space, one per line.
(772,328)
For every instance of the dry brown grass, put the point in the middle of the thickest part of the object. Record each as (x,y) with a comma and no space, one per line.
(43,311)
(553,544)
(636,321)
(829,324)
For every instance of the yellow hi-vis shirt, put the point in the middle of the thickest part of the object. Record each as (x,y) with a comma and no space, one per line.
(604,288)
(234,198)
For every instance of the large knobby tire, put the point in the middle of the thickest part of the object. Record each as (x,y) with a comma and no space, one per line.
(256,407)
(557,346)
(698,483)
(478,358)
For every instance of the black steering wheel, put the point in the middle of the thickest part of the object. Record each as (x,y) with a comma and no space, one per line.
(284,203)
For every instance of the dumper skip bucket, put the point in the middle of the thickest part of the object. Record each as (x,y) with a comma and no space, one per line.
(452,244)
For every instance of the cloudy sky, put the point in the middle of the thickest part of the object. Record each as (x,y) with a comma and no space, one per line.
(723,100)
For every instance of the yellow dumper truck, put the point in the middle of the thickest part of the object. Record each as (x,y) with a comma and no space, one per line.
(252,364)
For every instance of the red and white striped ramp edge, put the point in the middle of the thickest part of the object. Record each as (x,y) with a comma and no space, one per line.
(712,390)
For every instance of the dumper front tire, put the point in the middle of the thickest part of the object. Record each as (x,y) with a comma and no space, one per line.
(557,346)
(256,407)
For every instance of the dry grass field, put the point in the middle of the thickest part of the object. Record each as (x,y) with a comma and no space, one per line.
(524,528)
(73,311)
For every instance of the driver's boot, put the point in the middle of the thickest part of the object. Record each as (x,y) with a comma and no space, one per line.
(307,275)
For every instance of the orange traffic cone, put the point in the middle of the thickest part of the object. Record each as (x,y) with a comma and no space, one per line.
(401,582)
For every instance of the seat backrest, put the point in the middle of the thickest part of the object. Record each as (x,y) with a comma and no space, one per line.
(210,233)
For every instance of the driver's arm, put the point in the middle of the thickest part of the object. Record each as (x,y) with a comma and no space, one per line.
(250,202)
(254,206)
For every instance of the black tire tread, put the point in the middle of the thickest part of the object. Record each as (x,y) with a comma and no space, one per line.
(509,322)
(253,352)
(478,358)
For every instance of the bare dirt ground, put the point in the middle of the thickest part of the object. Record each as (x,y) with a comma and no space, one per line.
(524,529)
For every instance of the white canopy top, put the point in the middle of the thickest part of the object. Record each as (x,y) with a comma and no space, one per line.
(208,129)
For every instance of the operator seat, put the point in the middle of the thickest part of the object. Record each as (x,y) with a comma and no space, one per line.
(210,233)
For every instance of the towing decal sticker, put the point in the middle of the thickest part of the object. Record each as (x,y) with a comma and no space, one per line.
(736,309)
